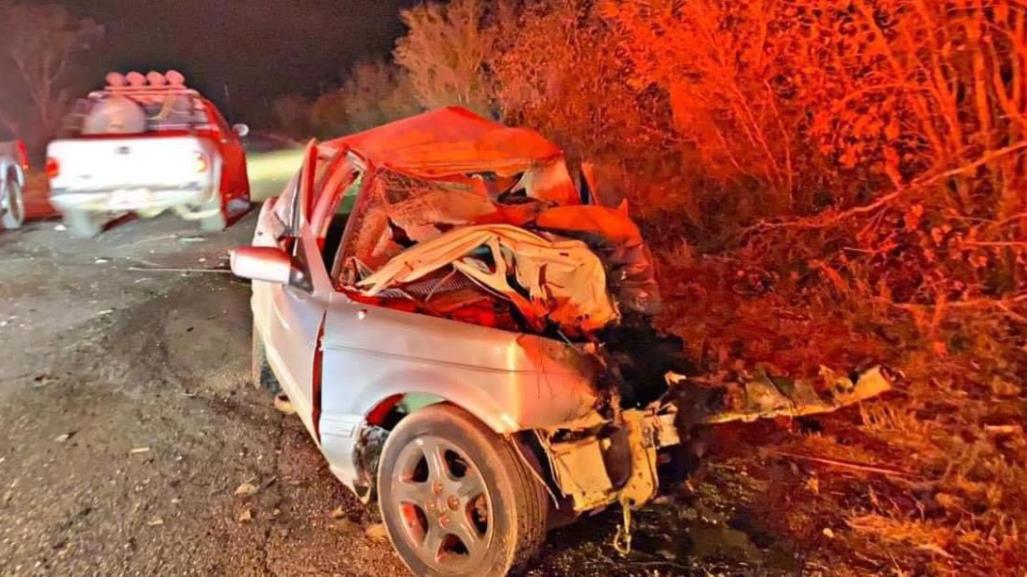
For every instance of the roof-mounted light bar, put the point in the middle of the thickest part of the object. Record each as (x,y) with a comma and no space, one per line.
(171,81)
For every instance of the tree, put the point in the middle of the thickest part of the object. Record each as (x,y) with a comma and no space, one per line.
(443,53)
(39,43)
(292,115)
(375,93)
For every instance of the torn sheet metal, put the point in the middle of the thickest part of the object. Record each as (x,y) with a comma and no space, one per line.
(615,237)
(580,473)
(767,397)
(588,461)
(595,470)
(560,281)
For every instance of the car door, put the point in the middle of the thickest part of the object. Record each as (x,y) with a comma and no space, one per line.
(291,328)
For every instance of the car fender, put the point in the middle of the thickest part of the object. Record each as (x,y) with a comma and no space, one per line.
(505,401)
(358,382)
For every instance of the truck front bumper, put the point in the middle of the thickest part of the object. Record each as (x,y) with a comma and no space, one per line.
(135,199)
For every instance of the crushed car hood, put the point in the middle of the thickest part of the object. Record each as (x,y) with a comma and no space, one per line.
(449,142)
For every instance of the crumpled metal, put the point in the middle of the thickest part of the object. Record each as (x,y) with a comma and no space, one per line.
(558,281)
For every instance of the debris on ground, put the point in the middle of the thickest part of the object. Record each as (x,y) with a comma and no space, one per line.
(246,490)
(245,516)
(377,532)
(283,405)
(139,451)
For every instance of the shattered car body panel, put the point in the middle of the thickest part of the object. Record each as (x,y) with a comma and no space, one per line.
(564,280)
(766,397)
(469,272)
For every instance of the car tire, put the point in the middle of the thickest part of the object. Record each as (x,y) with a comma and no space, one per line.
(261,375)
(82,224)
(477,511)
(13,209)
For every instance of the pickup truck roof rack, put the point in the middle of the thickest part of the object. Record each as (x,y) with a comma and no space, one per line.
(142,91)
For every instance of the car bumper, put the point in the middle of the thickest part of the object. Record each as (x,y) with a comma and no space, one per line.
(138,198)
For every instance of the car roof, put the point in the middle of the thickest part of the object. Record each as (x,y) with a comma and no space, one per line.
(448,142)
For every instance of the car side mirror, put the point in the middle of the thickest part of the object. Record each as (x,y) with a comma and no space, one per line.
(264,263)
(243,130)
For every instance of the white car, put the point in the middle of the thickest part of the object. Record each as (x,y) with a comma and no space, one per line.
(450,355)
(146,145)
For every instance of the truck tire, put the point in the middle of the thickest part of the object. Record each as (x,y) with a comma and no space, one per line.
(216,222)
(13,209)
(260,371)
(82,224)
(456,498)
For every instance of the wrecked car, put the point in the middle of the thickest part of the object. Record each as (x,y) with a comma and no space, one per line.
(470,345)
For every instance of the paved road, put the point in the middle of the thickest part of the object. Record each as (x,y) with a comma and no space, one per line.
(127,423)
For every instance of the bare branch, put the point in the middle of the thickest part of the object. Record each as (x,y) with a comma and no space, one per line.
(829,219)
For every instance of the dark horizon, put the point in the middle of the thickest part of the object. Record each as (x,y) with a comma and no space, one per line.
(241,54)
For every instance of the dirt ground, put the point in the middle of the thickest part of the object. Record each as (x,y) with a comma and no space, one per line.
(127,424)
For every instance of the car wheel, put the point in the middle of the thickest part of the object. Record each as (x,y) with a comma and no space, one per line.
(82,224)
(13,208)
(260,371)
(456,498)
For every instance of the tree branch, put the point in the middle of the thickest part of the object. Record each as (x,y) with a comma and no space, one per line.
(829,219)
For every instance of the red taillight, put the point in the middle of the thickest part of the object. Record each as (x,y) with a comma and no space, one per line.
(53,168)
(23,153)
(201,163)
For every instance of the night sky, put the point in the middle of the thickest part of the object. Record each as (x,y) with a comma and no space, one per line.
(260,48)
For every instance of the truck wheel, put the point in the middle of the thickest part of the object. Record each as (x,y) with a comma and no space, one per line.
(260,371)
(82,224)
(215,223)
(456,499)
(13,209)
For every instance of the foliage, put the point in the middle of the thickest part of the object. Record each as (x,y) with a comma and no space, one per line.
(292,115)
(373,93)
(38,44)
(553,72)
(443,53)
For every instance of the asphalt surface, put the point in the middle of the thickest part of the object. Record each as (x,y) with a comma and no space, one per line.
(127,424)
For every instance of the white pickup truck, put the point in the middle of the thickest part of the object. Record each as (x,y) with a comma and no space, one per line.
(146,145)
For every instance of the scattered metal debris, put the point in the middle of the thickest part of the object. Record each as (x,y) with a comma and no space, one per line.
(246,490)
(283,405)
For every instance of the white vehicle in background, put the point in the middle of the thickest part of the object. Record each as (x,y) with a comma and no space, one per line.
(13,166)
(146,145)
